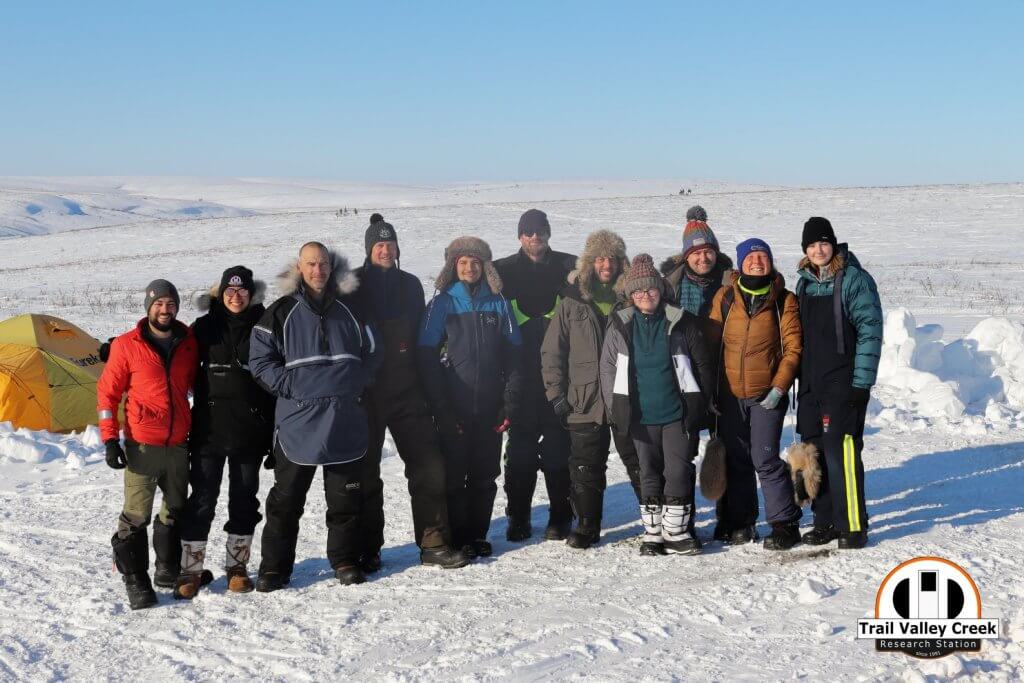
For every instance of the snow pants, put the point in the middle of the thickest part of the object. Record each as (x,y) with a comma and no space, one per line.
(751,435)
(149,468)
(472,465)
(835,425)
(206,471)
(537,441)
(588,464)
(412,428)
(666,471)
(287,501)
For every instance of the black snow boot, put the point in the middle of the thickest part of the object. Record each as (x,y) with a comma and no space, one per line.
(349,575)
(482,548)
(820,535)
(519,527)
(744,534)
(559,509)
(370,564)
(443,557)
(853,540)
(167,546)
(131,557)
(268,582)
(783,536)
(586,534)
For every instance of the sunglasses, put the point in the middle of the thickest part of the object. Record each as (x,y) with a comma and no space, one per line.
(530,233)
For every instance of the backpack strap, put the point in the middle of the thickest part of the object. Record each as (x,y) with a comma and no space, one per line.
(837,312)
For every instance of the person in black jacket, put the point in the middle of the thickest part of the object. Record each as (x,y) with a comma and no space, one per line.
(232,424)
(533,278)
(392,300)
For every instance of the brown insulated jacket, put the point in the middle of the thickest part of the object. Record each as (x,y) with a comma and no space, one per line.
(760,351)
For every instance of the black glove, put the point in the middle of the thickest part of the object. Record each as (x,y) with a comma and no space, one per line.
(115,455)
(696,413)
(561,408)
(860,396)
(105,350)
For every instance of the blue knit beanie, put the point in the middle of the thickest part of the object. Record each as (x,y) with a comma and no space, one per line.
(746,247)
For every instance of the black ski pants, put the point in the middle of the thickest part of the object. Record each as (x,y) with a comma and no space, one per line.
(588,464)
(287,501)
(835,424)
(472,466)
(206,471)
(537,441)
(412,429)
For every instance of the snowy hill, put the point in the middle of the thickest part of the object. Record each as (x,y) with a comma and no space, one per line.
(944,454)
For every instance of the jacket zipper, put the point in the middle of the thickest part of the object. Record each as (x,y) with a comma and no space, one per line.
(743,356)
(170,394)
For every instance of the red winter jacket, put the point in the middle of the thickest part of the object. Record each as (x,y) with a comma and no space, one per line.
(157,409)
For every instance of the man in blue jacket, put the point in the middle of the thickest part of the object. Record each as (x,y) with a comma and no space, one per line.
(311,352)
(468,359)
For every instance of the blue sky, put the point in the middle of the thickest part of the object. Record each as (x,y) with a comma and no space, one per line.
(784,92)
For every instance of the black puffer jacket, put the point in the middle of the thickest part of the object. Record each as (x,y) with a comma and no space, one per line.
(229,410)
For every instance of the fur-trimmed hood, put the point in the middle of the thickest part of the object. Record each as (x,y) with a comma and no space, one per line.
(468,246)
(343,277)
(599,243)
(204,300)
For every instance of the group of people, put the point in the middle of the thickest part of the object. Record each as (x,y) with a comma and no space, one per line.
(565,355)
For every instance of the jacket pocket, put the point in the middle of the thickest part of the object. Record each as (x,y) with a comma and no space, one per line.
(582,397)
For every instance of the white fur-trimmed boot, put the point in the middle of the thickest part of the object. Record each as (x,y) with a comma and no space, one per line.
(677,528)
(651,542)
(190,578)
(238,550)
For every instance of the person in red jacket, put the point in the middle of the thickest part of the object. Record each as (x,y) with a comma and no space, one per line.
(155,365)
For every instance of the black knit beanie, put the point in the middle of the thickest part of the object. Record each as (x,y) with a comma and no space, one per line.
(237,276)
(379,231)
(532,222)
(817,229)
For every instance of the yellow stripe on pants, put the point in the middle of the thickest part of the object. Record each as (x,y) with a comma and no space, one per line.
(850,469)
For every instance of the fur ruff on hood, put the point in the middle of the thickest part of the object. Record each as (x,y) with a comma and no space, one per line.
(344,278)
(203,300)
(600,243)
(467,246)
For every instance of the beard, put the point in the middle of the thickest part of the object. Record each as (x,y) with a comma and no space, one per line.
(162,327)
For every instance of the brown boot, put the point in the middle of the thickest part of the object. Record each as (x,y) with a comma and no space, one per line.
(190,578)
(238,579)
(238,549)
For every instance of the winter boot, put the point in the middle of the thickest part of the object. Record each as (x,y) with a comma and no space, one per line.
(652,542)
(559,509)
(745,534)
(677,528)
(820,535)
(783,536)
(268,582)
(520,498)
(482,548)
(190,578)
(167,545)
(238,549)
(131,557)
(370,564)
(587,533)
(853,540)
(443,557)
(349,574)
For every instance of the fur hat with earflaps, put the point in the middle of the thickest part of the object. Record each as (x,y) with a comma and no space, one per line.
(802,459)
(602,243)
(467,246)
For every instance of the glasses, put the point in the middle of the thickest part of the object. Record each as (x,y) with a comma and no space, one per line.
(235,292)
(646,293)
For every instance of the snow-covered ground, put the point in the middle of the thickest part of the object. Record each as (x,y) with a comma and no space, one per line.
(944,456)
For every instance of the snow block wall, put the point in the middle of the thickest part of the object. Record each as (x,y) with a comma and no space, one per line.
(975,383)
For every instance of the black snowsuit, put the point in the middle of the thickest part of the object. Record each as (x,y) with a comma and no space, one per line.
(232,424)
(829,416)
(537,439)
(392,300)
